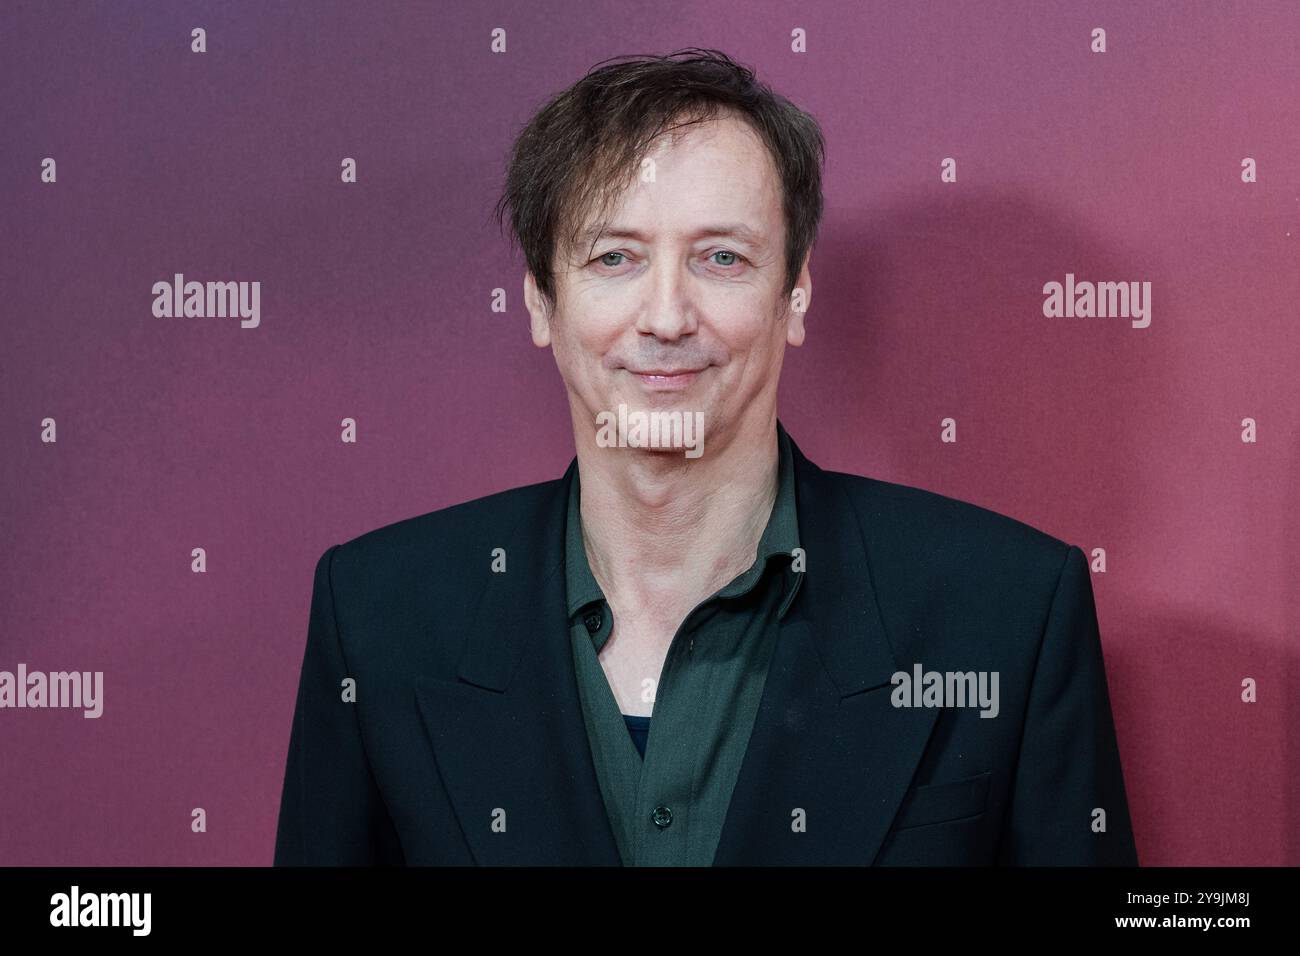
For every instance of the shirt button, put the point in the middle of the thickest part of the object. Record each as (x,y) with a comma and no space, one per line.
(662,817)
(593,622)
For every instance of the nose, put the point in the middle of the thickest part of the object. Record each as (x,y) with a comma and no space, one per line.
(668,312)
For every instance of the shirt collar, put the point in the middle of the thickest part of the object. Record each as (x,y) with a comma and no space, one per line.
(780,537)
(580,583)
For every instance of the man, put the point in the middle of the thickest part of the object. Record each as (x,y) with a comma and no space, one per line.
(696,647)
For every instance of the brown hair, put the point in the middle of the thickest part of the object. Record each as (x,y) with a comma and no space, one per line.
(581,149)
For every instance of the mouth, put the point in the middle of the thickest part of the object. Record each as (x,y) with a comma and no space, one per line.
(659,379)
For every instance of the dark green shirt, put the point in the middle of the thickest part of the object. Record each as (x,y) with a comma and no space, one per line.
(668,808)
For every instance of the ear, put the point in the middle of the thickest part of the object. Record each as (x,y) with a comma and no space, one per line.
(539,314)
(797,306)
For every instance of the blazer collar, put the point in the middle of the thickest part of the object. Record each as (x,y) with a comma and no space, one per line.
(827,748)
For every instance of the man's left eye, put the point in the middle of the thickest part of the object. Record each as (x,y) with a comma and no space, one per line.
(726,252)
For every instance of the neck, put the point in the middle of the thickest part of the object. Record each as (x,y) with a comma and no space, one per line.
(663,531)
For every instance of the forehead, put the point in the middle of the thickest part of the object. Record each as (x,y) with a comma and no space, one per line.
(716,177)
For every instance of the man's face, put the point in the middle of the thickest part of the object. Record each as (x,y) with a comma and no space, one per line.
(679,305)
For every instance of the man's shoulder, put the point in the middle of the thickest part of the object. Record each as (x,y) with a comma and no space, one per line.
(923,529)
(954,579)
(434,544)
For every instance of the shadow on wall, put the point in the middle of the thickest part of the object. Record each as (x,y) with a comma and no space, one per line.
(939,306)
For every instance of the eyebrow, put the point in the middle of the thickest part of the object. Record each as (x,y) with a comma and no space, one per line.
(736,230)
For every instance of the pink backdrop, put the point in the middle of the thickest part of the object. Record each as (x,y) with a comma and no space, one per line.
(182,433)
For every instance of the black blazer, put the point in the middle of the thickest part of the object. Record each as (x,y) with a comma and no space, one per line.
(466,703)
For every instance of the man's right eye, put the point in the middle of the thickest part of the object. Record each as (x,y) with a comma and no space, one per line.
(603,260)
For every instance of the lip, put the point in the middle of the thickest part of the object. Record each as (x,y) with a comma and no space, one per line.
(667,380)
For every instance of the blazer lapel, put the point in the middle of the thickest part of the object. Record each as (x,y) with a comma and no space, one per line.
(509,735)
(829,759)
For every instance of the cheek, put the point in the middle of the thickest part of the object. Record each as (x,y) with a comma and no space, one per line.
(579,348)
(573,364)
(746,328)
